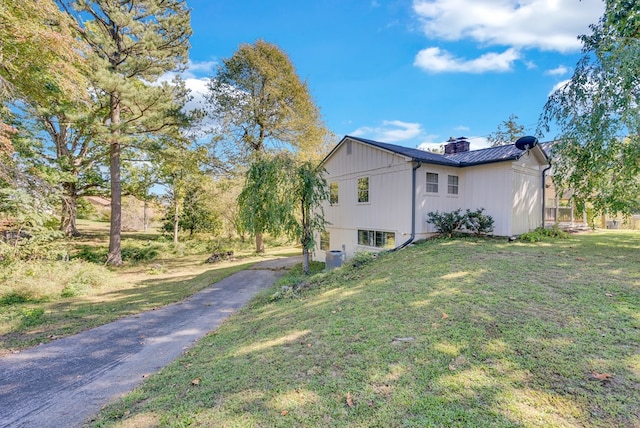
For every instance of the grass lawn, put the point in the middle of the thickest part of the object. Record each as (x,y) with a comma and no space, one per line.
(468,333)
(44,300)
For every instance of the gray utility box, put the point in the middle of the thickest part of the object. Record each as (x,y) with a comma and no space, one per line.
(334,259)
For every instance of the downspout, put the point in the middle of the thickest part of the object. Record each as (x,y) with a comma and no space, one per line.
(544,197)
(413,209)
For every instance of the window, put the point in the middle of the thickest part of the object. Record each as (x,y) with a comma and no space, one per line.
(363,189)
(432,182)
(376,238)
(452,187)
(333,193)
(324,241)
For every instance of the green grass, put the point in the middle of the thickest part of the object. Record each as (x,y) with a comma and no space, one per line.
(448,333)
(44,300)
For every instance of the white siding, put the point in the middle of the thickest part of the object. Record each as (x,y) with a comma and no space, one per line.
(389,206)
(490,187)
(527,194)
(510,192)
(442,201)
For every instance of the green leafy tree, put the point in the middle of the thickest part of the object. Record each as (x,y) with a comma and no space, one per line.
(70,156)
(40,54)
(131,42)
(310,190)
(259,100)
(598,116)
(198,214)
(41,63)
(507,133)
(282,196)
(265,203)
(261,104)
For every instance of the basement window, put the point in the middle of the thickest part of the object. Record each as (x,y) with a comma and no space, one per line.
(325,240)
(376,238)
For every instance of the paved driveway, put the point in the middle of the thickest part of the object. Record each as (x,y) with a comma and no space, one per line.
(65,382)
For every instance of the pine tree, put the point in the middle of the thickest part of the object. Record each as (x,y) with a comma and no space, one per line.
(132,43)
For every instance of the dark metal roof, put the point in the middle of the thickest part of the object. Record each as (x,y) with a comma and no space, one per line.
(489,155)
(414,154)
(473,157)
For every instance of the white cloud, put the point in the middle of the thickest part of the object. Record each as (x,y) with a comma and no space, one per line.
(198,89)
(195,77)
(558,71)
(391,131)
(477,143)
(438,61)
(557,86)
(204,67)
(543,24)
(427,146)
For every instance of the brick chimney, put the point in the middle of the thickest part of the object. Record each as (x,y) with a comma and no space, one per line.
(456,145)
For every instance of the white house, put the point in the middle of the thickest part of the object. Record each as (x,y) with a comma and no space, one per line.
(380,193)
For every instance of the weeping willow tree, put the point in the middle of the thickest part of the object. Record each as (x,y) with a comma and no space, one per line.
(284,196)
(261,105)
(597,153)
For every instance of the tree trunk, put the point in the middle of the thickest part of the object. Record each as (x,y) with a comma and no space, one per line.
(69,210)
(306,236)
(305,260)
(115,255)
(176,221)
(259,243)
(144,215)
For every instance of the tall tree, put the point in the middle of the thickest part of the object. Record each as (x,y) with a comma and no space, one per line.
(265,203)
(260,103)
(282,196)
(597,153)
(311,190)
(41,61)
(507,133)
(73,150)
(132,42)
(39,54)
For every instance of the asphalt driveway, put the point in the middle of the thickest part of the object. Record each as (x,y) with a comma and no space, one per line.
(65,382)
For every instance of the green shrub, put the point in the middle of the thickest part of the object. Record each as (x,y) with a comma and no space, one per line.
(449,223)
(477,222)
(542,234)
(140,254)
(86,210)
(91,254)
(15,298)
(37,244)
(32,316)
(42,281)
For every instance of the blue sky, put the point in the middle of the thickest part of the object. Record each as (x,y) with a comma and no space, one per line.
(407,72)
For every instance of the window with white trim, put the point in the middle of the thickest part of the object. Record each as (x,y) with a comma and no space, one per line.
(363,189)
(325,240)
(452,184)
(333,193)
(376,238)
(432,182)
